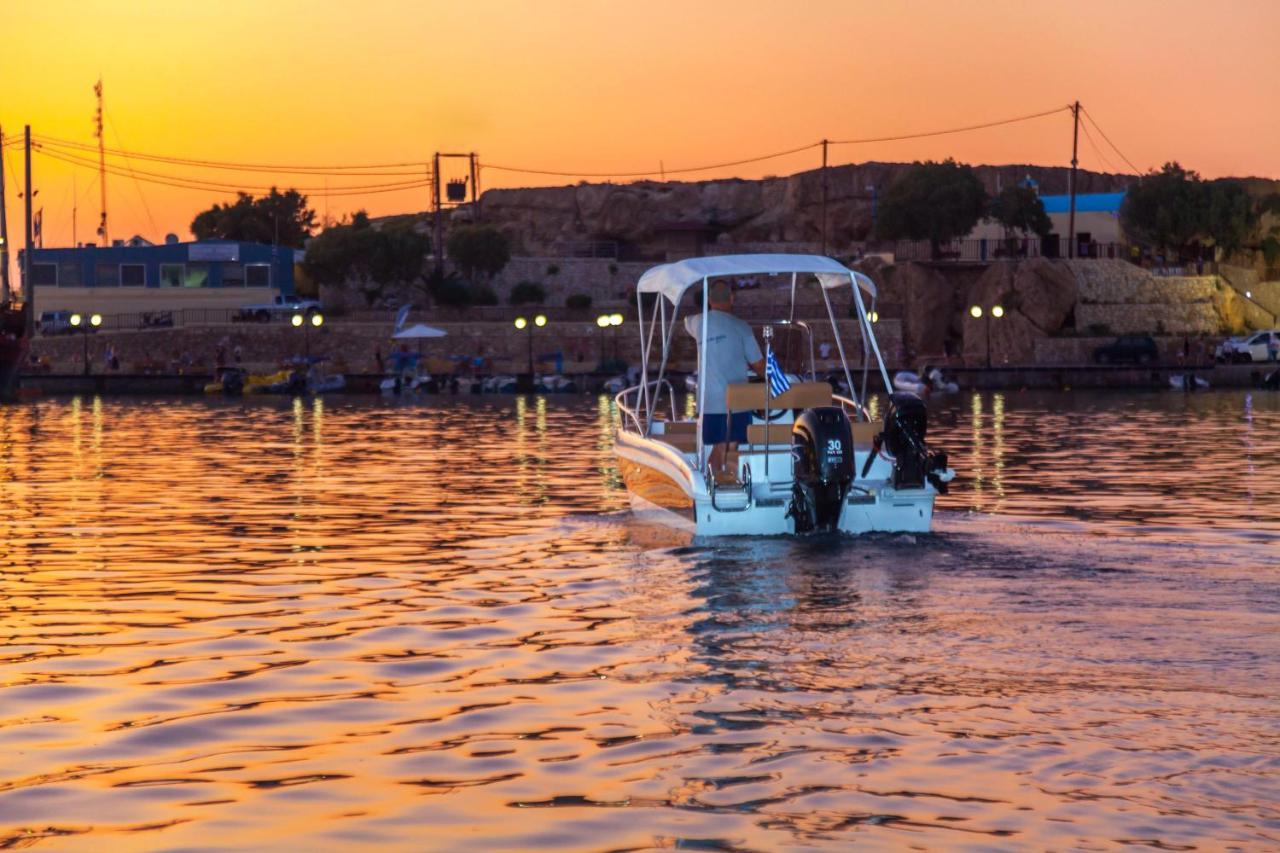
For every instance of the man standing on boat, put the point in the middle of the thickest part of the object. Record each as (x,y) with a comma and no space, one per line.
(731,352)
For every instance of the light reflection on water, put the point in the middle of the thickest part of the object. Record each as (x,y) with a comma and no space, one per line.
(325,623)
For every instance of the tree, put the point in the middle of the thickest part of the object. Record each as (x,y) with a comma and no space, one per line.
(1230,215)
(1164,209)
(1174,209)
(373,258)
(1019,208)
(527,292)
(281,218)
(932,201)
(479,251)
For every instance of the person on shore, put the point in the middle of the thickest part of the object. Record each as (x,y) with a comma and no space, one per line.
(237,354)
(1273,347)
(731,352)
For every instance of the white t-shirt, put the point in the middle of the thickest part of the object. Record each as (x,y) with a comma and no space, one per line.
(732,351)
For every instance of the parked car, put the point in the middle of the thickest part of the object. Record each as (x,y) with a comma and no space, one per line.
(1135,349)
(56,323)
(1246,347)
(280,306)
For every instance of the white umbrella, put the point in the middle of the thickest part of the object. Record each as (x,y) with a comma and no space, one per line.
(419,331)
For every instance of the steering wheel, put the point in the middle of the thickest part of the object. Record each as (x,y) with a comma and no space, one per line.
(770,416)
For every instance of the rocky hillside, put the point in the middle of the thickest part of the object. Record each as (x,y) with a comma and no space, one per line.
(646,217)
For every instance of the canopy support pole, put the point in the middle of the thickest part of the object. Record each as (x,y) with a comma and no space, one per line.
(835,330)
(866,330)
(702,373)
(666,354)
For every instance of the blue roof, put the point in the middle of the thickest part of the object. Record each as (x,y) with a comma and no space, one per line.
(1085,203)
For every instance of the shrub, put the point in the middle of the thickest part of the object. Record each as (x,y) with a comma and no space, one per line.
(483,294)
(1099,330)
(578,301)
(453,292)
(527,292)
(553,269)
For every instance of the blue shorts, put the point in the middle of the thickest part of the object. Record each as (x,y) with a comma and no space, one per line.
(719,427)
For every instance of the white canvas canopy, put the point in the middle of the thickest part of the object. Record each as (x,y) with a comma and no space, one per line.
(672,280)
(419,331)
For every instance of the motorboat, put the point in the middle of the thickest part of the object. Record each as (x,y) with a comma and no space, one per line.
(929,380)
(1188,382)
(813,460)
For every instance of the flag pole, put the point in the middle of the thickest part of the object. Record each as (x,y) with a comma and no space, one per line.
(768,393)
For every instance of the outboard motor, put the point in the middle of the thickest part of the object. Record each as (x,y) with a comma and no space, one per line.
(905,425)
(822,457)
(233,381)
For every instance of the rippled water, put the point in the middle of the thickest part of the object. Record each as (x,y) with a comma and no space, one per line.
(334,623)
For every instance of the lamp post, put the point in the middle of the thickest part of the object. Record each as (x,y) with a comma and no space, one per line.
(525,382)
(78,321)
(976,312)
(602,322)
(306,322)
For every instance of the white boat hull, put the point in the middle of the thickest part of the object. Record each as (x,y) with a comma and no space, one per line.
(663,487)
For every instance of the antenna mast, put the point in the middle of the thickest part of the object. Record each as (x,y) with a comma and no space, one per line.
(102,165)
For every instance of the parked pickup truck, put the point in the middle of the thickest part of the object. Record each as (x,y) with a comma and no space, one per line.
(281,306)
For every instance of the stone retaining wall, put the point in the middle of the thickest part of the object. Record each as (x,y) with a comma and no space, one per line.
(351,346)
(1051,352)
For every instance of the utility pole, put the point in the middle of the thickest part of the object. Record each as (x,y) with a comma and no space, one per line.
(824,196)
(435,208)
(475,187)
(5,293)
(102,166)
(28,292)
(1071,180)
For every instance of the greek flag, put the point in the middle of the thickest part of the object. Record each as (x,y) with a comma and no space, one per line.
(778,382)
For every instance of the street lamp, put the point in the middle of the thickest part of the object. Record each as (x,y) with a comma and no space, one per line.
(997,311)
(78,322)
(317,320)
(522,324)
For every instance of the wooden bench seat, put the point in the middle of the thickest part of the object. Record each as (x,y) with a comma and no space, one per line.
(750,396)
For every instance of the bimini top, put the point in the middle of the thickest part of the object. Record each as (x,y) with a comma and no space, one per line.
(672,280)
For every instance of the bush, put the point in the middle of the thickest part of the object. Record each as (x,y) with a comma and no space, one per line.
(483,294)
(527,292)
(553,269)
(1099,330)
(452,292)
(578,301)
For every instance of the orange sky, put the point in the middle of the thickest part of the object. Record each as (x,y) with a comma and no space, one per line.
(601,86)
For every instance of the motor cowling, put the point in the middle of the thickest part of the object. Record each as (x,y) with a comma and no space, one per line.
(822,461)
(906,426)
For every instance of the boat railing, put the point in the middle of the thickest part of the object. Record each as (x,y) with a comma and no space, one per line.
(846,403)
(631,410)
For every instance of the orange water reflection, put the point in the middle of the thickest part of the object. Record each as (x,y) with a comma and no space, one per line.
(327,623)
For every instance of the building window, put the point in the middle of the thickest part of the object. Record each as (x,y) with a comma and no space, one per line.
(133,275)
(232,275)
(197,276)
(171,275)
(106,275)
(69,275)
(257,275)
(44,275)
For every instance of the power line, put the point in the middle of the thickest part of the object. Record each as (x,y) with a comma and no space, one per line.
(1096,150)
(155,229)
(220,186)
(1098,128)
(964,129)
(358,169)
(643,174)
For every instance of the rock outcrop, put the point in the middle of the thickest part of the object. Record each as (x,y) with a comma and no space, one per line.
(646,217)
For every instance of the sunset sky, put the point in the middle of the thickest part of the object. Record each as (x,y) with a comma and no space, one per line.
(615,87)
